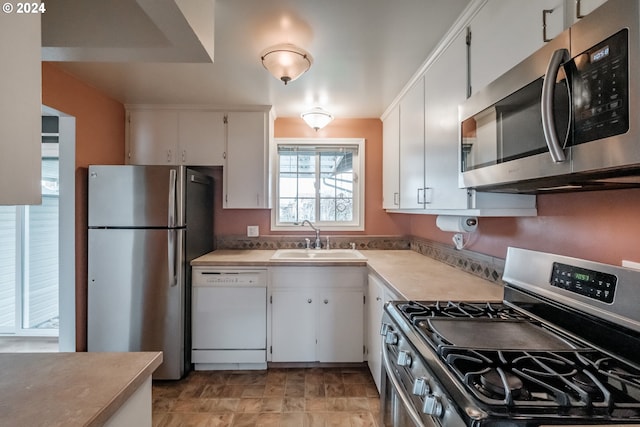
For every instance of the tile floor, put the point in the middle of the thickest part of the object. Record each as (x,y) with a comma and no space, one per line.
(293,397)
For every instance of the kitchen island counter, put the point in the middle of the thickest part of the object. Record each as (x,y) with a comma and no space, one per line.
(409,274)
(74,389)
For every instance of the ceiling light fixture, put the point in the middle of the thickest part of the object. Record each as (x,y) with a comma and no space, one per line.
(286,62)
(317,118)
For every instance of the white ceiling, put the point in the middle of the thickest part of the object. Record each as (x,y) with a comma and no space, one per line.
(158,51)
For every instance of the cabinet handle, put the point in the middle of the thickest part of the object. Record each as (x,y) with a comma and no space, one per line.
(419,190)
(579,14)
(545,12)
(428,192)
(184,156)
(309,300)
(326,301)
(168,156)
(378,299)
(396,199)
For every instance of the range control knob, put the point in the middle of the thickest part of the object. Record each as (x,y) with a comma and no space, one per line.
(384,329)
(421,386)
(404,358)
(432,406)
(391,338)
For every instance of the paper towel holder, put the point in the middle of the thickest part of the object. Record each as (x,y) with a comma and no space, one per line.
(458,225)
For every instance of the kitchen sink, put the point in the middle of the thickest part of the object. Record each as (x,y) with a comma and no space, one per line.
(318,255)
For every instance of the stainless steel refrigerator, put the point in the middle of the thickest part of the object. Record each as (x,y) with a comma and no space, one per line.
(146,224)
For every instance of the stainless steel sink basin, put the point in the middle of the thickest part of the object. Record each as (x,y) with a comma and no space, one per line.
(318,255)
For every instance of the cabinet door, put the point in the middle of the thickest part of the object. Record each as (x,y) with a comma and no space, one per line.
(375,306)
(153,137)
(246,180)
(201,138)
(340,325)
(580,8)
(293,317)
(445,84)
(412,148)
(504,32)
(391,160)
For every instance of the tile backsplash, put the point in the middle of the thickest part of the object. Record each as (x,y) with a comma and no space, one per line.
(298,242)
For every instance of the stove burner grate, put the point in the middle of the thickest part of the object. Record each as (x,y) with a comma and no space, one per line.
(576,382)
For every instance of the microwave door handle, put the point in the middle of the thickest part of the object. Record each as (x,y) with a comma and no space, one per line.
(546,105)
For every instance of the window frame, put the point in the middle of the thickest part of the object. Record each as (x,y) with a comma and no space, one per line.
(359,186)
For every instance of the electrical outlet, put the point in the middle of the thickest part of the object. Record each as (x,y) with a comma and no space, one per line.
(253,230)
(631,264)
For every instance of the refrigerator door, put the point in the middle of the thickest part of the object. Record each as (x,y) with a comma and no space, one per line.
(136,294)
(136,196)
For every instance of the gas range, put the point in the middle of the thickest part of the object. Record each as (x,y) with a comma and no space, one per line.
(557,350)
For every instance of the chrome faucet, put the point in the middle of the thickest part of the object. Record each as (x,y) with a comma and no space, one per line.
(317,230)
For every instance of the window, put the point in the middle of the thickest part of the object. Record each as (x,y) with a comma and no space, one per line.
(320,180)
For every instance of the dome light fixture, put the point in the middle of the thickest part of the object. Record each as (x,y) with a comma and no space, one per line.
(286,61)
(317,118)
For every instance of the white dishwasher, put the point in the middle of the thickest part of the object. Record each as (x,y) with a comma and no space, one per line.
(229,318)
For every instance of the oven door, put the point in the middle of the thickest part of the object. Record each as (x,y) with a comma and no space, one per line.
(397,408)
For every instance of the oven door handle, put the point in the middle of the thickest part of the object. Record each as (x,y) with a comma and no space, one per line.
(395,382)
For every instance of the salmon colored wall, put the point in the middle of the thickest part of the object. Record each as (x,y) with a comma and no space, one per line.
(377,221)
(602,226)
(100,123)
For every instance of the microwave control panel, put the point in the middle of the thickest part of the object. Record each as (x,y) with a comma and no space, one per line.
(601,90)
(593,284)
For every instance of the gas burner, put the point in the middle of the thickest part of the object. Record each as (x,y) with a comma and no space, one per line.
(498,384)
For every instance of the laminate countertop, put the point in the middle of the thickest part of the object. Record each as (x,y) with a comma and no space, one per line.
(69,389)
(410,275)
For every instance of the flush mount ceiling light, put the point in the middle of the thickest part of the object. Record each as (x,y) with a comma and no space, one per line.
(286,62)
(317,118)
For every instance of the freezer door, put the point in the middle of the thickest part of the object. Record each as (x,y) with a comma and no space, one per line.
(136,294)
(136,196)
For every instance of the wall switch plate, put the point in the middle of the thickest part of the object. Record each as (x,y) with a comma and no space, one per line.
(253,230)
(631,264)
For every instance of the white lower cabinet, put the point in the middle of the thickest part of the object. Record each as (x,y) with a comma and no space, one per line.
(317,314)
(293,325)
(377,296)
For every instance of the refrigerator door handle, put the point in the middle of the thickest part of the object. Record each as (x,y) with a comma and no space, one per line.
(173,257)
(172,197)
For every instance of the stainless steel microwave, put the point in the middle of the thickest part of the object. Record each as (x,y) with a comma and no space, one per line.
(566,118)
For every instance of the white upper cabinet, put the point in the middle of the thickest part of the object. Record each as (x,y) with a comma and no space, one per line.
(504,32)
(171,137)
(578,9)
(412,148)
(391,160)
(246,176)
(445,90)
(20,109)
(153,137)
(422,127)
(237,140)
(201,138)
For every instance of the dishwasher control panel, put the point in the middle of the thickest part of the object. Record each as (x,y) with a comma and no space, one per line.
(210,277)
